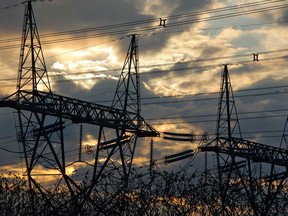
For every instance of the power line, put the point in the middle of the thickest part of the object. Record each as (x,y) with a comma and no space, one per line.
(74,153)
(216,58)
(88,29)
(221,9)
(179,95)
(222,27)
(74,50)
(202,99)
(198,121)
(209,93)
(11,6)
(149,28)
(176,69)
(229,15)
(175,24)
(214,120)
(214,115)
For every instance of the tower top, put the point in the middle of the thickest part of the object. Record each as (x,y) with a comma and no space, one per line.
(32,71)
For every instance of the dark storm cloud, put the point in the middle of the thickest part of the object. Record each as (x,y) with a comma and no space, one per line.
(73,14)
(11,19)
(280,16)
(262,107)
(68,87)
(209,50)
(155,42)
(188,6)
(283,20)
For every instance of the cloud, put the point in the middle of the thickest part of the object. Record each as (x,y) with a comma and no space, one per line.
(174,65)
(278,34)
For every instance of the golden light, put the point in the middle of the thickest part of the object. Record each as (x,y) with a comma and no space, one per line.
(86,67)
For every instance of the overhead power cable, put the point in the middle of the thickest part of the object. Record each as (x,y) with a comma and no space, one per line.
(226,8)
(73,153)
(229,15)
(86,32)
(165,32)
(214,115)
(155,66)
(180,98)
(212,98)
(214,120)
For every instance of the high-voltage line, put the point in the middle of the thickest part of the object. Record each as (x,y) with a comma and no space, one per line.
(148,21)
(149,28)
(205,67)
(175,100)
(214,115)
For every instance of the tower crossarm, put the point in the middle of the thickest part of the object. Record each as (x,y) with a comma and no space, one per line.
(78,111)
(248,149)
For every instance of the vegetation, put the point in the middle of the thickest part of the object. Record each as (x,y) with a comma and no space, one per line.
(159,193)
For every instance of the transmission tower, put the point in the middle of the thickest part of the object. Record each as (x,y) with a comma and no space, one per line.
(41,136)
(227,126)
(43,116)
(117,153)
(241,164)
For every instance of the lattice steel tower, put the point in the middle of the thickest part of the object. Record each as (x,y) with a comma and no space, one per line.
(43,116)
(249,174)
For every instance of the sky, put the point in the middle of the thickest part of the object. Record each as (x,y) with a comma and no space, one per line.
(180,65)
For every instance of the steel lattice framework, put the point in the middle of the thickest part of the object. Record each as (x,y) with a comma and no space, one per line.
(78,111)
(42,116)
(257,152)
(256,171)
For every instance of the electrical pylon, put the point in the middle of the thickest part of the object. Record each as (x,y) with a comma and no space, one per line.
(227,126)
(117,152)
(241,164)
(41,135)
(42,119)
(127,98)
